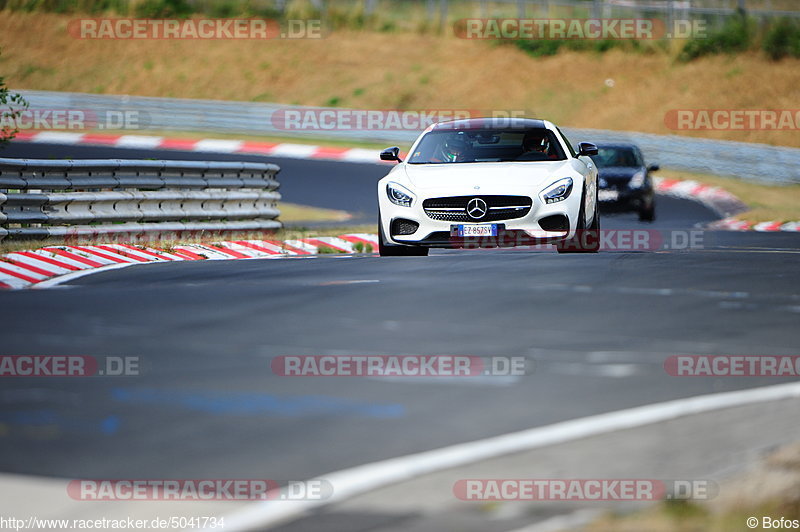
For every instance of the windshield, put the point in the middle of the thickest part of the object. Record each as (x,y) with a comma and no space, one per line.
(487,145)
(617,156)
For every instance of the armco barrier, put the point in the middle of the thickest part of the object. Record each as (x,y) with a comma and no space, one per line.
(44,198)
(755,162)
(751,162)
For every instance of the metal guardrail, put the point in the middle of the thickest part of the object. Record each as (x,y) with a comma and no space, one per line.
(43,198)
(631,8)
(541,8)
(177,114)
(753,162)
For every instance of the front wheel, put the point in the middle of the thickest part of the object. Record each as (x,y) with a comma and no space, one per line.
(586,239)
(388,250)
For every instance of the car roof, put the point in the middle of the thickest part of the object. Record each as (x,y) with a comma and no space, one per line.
(492,123)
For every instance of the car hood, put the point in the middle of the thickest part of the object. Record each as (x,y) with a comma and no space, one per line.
(491,178)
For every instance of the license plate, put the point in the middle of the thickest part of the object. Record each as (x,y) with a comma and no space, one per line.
(475,230)
(607,195)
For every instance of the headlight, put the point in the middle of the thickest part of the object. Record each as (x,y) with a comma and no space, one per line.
(399,195)
(558,191)
(637,180)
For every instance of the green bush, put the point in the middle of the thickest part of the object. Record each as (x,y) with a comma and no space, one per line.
(782,39)
(226,9)
(735,36)
(100,6)
(163,9)
(67,6)
(546,47)
(11,107)
(57,6)
(538,47)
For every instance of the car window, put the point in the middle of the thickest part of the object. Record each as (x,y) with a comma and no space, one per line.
(617,156)
(487,145)
(639,157)
(568,143)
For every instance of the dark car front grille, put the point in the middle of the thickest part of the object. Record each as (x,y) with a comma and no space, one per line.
(554,222)
(401,226)
(454,208)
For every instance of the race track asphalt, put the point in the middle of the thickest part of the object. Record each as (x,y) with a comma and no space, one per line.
(596,330)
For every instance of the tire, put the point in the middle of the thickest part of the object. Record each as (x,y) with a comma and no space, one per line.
(388,250)
(586,239)
(648,213)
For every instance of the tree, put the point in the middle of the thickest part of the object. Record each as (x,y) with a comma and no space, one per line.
(12,105)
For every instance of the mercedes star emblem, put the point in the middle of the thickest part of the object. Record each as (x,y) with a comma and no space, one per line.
(476,208)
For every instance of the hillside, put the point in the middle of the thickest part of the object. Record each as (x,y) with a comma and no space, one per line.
(404,70)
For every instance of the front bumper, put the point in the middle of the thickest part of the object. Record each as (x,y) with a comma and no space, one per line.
(524,231)
(626,200)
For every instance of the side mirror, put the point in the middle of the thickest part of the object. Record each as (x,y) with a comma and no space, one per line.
(391,154)
(653,168)
(587,148)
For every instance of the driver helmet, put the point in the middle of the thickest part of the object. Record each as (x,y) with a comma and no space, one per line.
(536,141)
(454,148)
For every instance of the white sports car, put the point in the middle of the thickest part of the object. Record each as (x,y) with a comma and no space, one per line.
(489,182)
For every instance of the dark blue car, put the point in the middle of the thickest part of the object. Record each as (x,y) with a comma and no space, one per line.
(624,182)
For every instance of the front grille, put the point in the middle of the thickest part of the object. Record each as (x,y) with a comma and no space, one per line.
(454,208)
(402,226)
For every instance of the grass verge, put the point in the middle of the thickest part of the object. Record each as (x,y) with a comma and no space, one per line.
(616,90)
(768,489)
(294,213)
(767,202)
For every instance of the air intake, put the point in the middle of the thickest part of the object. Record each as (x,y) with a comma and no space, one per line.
(402,226)
(555,222)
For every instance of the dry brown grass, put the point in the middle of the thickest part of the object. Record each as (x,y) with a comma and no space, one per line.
(769,487)
(431,72)
(292,212)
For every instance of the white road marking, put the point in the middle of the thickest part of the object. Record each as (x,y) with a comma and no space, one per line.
(353,281)
(617,371)
(218,146)
(563,522)
(58,137)
(56,281)
(348,483)
(501,381)
(139,141)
